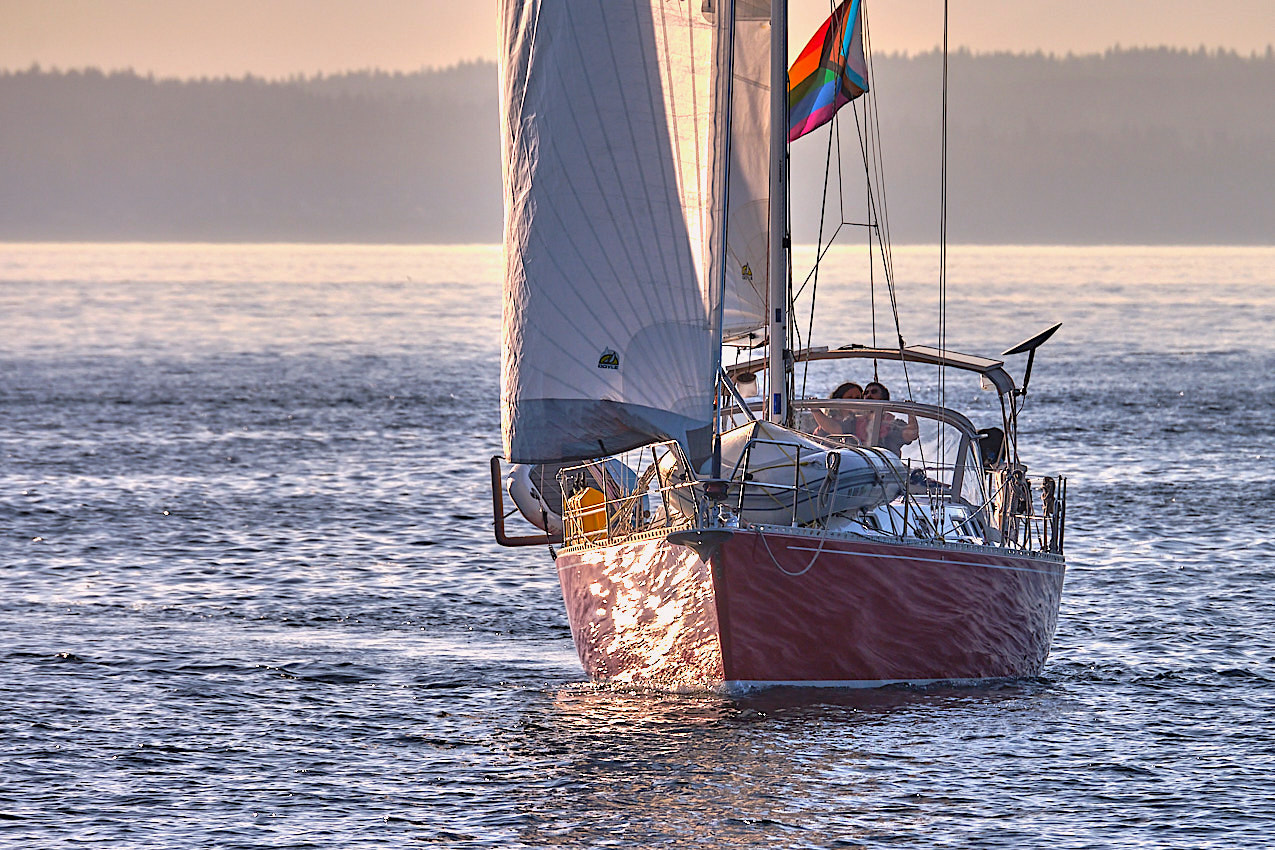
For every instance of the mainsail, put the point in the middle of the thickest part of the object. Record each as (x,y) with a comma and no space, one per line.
(830,72)
(614,128)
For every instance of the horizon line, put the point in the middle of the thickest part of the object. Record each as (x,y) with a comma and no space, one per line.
(36,67)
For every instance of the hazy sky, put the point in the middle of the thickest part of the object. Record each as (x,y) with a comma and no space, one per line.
(275,38)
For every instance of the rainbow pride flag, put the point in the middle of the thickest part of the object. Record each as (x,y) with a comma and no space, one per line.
(829,73)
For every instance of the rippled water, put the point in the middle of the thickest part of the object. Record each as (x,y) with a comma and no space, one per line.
(251,599)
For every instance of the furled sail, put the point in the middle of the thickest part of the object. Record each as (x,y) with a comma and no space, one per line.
(830,72)
(613,134)
(748,241)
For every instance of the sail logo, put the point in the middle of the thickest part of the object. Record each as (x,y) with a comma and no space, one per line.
(746,271)
(609,360)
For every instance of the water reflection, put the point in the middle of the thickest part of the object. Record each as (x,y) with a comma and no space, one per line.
(777,767)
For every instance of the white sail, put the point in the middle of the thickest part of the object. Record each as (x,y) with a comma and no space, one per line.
(612,132)
(748,242)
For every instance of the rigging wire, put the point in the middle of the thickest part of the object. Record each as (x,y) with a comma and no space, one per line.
(814,291)
(872,285)
(942,329)
(879,212)
(874,163)
(868,127)
(821,249)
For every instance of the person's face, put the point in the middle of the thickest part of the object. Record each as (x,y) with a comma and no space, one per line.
(874,393)
(852,392)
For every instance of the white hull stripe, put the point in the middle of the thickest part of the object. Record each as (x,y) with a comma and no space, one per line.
(947,561)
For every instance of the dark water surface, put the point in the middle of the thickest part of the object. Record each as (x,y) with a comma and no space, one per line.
(251,599)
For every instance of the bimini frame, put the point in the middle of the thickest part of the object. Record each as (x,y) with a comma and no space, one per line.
(993,371)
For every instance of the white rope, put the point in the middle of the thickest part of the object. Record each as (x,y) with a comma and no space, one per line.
(780,567)
(823,539)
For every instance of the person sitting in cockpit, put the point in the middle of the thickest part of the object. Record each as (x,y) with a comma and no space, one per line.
(893,433)
(834,421)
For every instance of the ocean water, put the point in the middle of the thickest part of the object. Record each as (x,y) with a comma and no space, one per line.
(251,599)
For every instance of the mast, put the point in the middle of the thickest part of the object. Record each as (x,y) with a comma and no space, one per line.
(777,300)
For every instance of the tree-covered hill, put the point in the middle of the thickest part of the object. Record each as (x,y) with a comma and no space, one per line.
(1133,146)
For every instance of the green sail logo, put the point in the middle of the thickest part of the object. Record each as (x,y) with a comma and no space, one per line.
(609,360)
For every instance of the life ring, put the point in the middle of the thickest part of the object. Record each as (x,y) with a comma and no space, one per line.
(535,491)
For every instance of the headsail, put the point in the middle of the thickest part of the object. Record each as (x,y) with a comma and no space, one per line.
(612,134)
(748,241)
(830,72)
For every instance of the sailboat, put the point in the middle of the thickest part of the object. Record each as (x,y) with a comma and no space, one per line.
(712,528)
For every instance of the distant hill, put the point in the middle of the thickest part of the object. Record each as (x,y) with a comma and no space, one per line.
(1131,146)
(360,157)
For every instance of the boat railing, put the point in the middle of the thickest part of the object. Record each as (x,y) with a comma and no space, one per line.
(741,474)
(1015,514)
(650,493)
(1027,516)
(634,496)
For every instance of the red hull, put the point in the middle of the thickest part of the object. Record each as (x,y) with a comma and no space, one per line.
(783,609)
